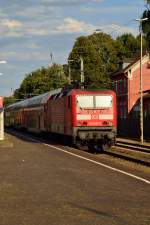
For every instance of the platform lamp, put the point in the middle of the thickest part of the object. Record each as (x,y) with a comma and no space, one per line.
(141,79)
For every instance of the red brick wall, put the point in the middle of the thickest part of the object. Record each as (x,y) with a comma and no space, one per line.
(134,85)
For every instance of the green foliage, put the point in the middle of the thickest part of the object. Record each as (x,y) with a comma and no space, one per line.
(100,54)
(41,81)
(97,53)
(9,100)
(129,46)
(146,26)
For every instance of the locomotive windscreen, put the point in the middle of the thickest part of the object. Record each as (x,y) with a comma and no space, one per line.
(85,101)
(103,101)
(94,101)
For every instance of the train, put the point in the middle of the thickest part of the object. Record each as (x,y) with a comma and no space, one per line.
(85,117)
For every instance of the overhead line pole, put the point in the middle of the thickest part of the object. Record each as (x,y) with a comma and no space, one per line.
(82,70)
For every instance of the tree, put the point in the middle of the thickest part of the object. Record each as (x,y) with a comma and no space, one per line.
(148,2)
(9,100)
(41,81)
(129,46)
(146,24)
(98,53)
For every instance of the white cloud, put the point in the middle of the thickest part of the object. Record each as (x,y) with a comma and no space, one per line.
(105,10)
(71,25)
(10,28)
(32,21)
(118,29)
(68,2)
(10,24)
(36,31)
(24,56)
(34,12)
(15,28)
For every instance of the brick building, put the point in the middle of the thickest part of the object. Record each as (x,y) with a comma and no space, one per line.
(126,83)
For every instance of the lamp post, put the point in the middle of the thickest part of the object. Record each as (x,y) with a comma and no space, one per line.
(141,80)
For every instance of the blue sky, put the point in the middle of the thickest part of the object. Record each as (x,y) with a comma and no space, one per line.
(32,29)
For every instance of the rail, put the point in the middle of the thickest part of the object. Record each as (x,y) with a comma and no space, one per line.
(132,151)
(134,145)
(123,150)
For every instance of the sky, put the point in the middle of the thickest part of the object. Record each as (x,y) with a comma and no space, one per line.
(32,30)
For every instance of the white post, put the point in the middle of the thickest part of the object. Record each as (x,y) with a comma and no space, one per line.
(141,94)
(69,75)
(2,125)
(69,66)
(82,70)
(141,81)
(2,110)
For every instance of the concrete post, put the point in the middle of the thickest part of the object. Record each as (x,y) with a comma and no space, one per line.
(82,70)
(2,125)
(1,119)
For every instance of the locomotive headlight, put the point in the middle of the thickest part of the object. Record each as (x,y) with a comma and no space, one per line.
(83,123)
(107,123)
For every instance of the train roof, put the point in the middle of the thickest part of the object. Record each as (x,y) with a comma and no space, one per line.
(34,101)
(43,98)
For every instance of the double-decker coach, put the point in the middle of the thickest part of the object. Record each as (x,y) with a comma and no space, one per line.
(86,117)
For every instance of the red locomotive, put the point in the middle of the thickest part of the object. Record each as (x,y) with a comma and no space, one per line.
(87,117)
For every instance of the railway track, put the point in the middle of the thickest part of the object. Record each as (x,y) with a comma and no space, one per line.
(135,146)
(128,158)
(131,151)
(123,150)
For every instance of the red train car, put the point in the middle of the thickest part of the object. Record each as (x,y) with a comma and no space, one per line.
(86,117)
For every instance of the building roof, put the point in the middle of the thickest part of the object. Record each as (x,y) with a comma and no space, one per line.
(126,65)
(146,94)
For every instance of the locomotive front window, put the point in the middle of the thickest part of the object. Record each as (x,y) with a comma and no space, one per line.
(85,101)
(94,101)
(103,101)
